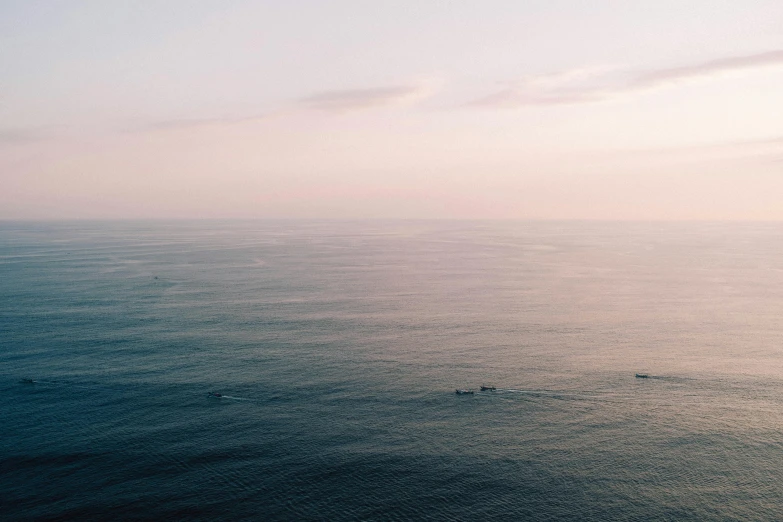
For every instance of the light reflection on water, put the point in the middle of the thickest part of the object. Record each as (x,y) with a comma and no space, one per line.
(338,347)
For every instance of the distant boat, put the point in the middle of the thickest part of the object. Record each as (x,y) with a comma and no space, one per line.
(214,394)
(487,388)
(465,392)
(27,381)
(642,376)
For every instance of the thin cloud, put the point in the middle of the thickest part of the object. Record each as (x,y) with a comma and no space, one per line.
(755,151)
(175,124)
(353,99)
(574,86)
(580,86)
(773,142)
(712,68)
(187,123)
(327,101)
(516,97)
(11,136)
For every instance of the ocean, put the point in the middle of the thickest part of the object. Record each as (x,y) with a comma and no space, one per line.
(336,349)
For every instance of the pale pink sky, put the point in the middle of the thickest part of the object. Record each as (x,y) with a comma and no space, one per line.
(350,109)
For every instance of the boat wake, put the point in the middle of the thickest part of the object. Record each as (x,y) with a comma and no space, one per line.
(215,395)
(231,397)
(54,383)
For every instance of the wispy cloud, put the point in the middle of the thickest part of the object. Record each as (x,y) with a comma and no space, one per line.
(575,86)
(356,99)
(185,123)
(175,124)
(11,136)
(712,68)
(326,101)
(755,151)
(592,85)
(518,97)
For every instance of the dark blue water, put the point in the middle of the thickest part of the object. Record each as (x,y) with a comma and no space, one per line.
(337,348)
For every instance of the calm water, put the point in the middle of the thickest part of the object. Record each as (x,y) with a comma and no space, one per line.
(338,347)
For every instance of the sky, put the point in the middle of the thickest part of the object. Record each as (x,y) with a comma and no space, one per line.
(349,109)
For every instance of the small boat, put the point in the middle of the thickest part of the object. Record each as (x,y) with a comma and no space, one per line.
(642,376)
(27,381)
(465,392)
(214,394)
(487,388)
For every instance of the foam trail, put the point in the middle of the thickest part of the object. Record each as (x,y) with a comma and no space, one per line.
(55,383)
(229,397)
(236,398)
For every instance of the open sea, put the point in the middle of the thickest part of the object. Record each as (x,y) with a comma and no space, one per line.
(337,348)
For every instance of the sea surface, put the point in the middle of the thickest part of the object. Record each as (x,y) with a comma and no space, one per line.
(337,348)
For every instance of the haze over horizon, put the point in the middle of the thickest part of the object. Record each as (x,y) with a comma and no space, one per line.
(347,109)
